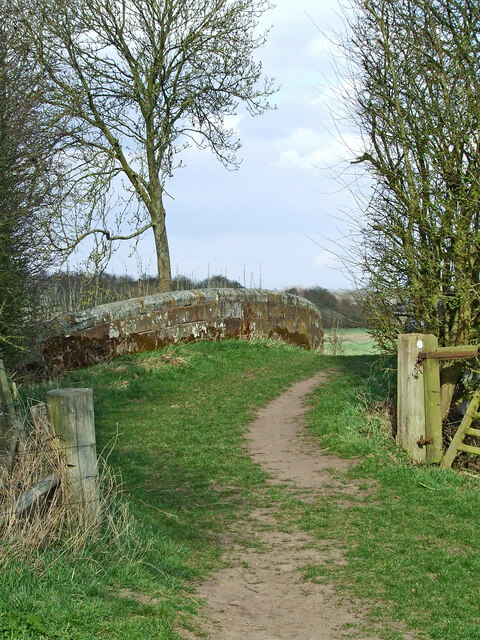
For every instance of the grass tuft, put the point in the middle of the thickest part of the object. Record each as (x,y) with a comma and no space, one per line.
(167,357)
(276,342)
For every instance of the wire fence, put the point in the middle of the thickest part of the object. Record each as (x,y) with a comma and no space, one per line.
(52,450)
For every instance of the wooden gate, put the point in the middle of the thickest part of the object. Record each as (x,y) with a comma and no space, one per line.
(465,429)
(419,419)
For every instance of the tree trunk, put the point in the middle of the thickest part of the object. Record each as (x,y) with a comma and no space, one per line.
(449,376)
(161,248)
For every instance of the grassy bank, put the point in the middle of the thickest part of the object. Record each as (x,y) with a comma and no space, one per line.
(175,419)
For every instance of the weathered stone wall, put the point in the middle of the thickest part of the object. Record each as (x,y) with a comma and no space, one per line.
(143,324)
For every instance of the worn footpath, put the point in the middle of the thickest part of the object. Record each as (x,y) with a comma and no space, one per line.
(261,594)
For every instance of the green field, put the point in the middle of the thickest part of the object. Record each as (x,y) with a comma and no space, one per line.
(350,342)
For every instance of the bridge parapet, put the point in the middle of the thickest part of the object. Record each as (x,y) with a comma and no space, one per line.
(143,324)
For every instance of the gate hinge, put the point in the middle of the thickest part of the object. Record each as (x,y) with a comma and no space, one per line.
(423,441)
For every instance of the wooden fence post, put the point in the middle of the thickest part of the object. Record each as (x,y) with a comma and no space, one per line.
(11,427)
(410,396)
(72,416)
(433,415)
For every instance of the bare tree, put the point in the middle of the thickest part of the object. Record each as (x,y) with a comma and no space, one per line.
(134,83)
(415,71)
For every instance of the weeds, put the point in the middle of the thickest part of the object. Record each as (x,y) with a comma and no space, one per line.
(167,357)
(377,423)
(36,510)
(335,340)
(274,342)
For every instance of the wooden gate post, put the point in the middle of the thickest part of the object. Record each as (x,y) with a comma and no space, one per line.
(72,416)
(433,414)
(410,396)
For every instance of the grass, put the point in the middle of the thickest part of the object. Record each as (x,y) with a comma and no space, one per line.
(176,419)
(412,545)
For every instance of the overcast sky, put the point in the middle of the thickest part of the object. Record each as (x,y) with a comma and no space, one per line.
(257,222)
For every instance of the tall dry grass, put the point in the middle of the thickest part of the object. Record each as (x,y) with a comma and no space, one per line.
(53,519)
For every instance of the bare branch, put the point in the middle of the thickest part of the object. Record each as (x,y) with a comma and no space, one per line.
(131,81)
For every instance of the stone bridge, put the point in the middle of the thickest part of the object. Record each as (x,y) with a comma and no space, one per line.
(143,324)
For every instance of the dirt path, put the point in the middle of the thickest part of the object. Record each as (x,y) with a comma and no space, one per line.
(261,594)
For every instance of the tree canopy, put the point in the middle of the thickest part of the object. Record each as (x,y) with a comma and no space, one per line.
(133,83)
(415,73)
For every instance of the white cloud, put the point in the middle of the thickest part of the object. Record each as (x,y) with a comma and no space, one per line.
(337,150)
(323,46)
(232,122)
(293,158)
(303,140)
